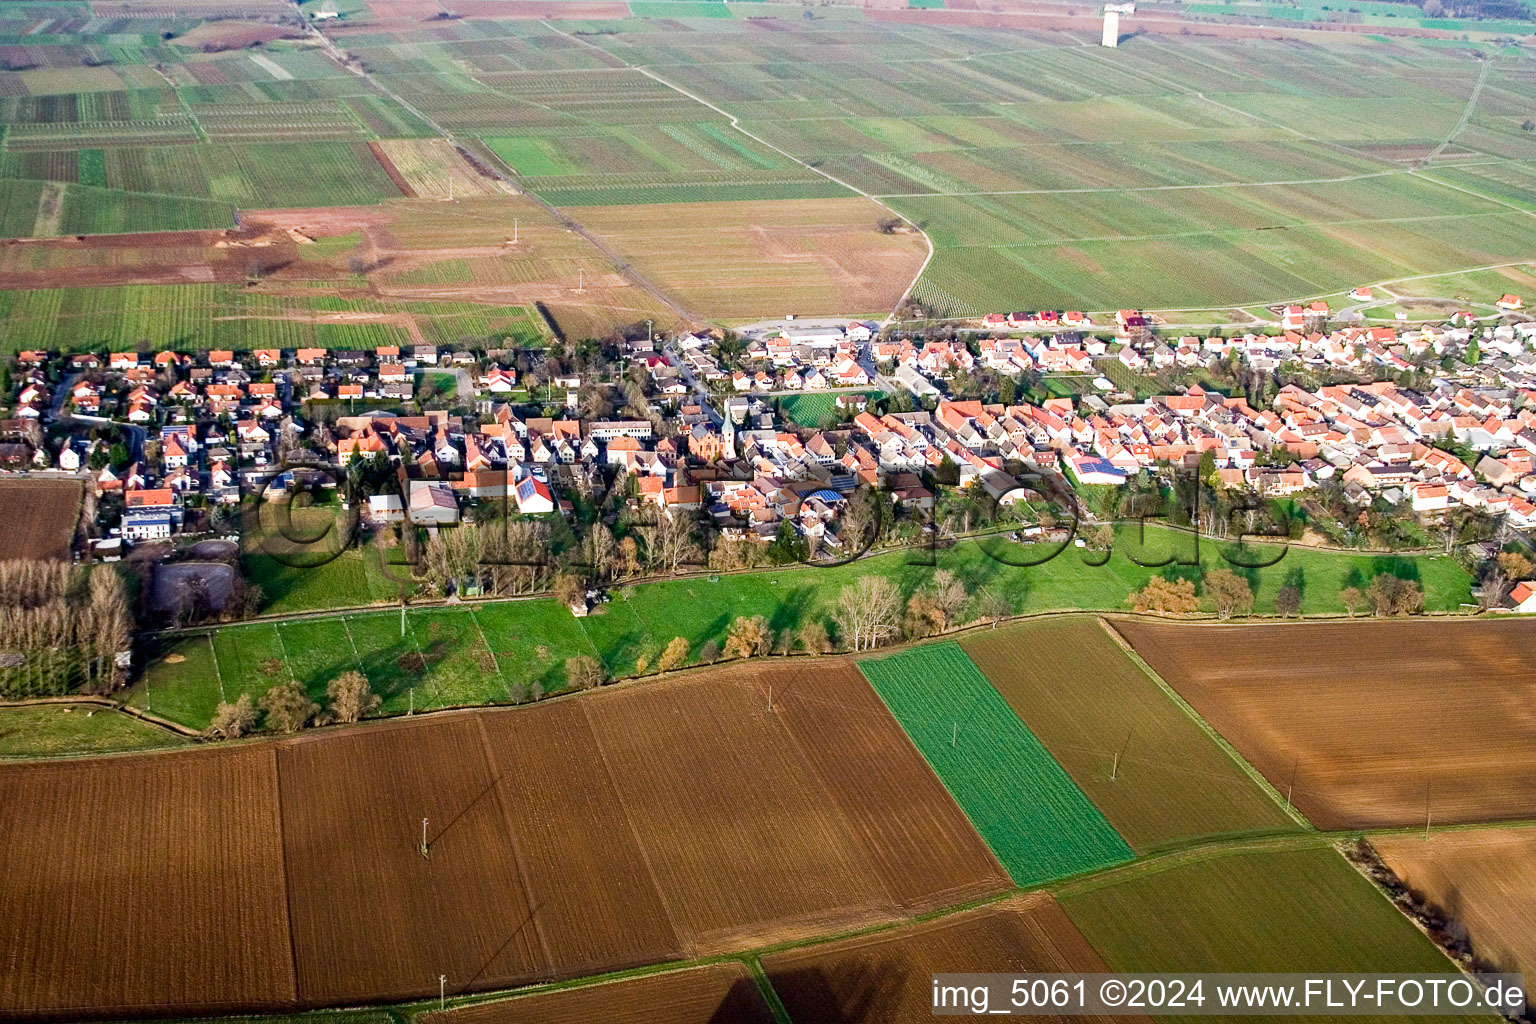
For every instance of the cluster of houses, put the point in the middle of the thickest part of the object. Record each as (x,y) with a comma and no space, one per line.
(209,429)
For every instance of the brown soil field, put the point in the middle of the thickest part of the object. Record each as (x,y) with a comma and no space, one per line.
(933,859)
(1374,722)
(390,169)
(143,885)
(1483,878)
(718,994)
(746,842)
(730,825)
(373,919)
(413,249)
(635,825)
(885,978)
(233,35)
(739,260)
(41,515)
(599,907)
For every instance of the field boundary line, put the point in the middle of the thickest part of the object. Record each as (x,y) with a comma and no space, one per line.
(529,896)
(1466,113)
(282,645)
(1330,143)
(218,673)
(629,823)
(426,677)
(1206,727)
(625,268)
(1156,864)
(766,990)
(1164,188)
(282,838)
(356,655)
(489,649)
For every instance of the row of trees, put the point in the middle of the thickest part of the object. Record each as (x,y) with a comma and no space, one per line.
(1232,595)
(62,628)
(288,708)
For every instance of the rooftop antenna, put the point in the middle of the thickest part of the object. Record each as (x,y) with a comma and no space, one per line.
(1112,14)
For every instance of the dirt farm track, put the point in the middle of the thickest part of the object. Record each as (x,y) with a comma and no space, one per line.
(630,826)
(1368,724)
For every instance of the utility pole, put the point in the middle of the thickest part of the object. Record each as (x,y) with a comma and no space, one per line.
(650,334)
(1292,784)
(424,847)
(514,230)
(1426,812)
(954,735)
(442,991)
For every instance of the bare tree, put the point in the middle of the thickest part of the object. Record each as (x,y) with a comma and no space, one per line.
(600,549)
(992,605)
(351,697)
(570,590)
(949,596)
(1490,594)
(287,708)
(1353,599)
(1288,601)
(748,637)
(231,721)
(1392,595)
(813,637)
(585,672)
(1163,596)
(669,543)
(868,612)
(1231,593)
(674,656)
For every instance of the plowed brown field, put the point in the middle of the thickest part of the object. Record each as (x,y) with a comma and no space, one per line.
(719,994)
(374,919)
(885,978)
(1483,878)
(598,905)
(747,844)
(40,517)
(1373,723)
(636,825)
(921,842)
(143,884)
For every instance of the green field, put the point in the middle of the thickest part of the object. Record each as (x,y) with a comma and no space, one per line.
(1293,910)
(199,316)
(1156,775)
(1175,172)
(640,620)
(817,410)
(58,730)
(1037,822)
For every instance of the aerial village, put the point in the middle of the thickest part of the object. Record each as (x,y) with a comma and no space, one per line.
(698,427)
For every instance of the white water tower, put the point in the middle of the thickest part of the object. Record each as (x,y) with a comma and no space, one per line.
(1112,14)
